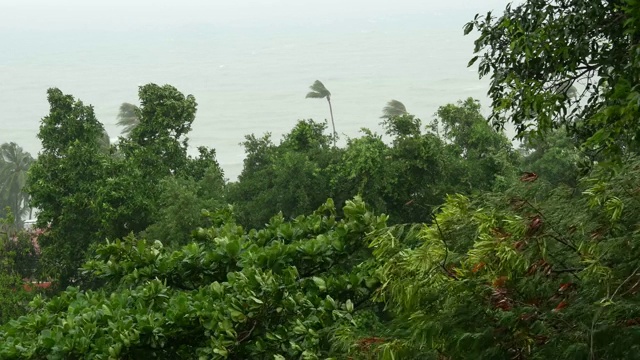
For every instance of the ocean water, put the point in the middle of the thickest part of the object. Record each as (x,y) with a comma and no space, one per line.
(245,80)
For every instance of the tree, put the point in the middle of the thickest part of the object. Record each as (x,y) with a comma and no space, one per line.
(158,142)
(319,91)
(14,164)
(64,184)
(538,48)
(156,148)
(393,108)
(482,157)
(424,166)
(555,158)
(87,195)
(292,177)
(128,118)
(182,203)
(419,162)
(365,169)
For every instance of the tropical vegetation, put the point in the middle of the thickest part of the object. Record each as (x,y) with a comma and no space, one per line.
(435,240)
(393,108)
(14,164)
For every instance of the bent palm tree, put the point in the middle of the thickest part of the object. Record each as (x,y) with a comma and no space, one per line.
(392,109)
(128,117)
(319,91)
(14,164)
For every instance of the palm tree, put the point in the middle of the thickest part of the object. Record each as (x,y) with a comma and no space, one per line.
(319,91)
(128,117)
(393,108)
(104,141)
(14,164)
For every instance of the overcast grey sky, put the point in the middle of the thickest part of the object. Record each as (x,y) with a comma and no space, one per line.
(52,15)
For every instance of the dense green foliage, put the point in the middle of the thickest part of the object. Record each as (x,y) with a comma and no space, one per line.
(520,275)
(231,294)
(18,262)
(180,204)
(556,158)
(537,50)
(465,249)
(292,178)
(64,183)
(405,179)
(18,252)
(86,195)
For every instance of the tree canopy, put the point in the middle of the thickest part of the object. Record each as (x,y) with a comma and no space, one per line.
(86,195)
(536,48)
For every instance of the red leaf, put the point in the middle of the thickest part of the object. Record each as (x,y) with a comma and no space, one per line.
(477,267)
(529,177)
(632,322)
(534,225)
(565,286)
(563,304)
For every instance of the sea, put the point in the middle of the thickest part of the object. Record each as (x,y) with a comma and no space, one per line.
(246,80)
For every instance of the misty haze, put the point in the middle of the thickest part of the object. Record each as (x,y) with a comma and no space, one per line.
(279,179)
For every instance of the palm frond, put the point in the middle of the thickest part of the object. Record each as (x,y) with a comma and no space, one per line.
(318,91)
(393,108)
(128,117)
(14,164)
(104,141)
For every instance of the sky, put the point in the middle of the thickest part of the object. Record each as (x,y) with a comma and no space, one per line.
(125,15)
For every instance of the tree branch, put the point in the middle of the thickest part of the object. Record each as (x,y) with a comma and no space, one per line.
(246,336)
(446,250)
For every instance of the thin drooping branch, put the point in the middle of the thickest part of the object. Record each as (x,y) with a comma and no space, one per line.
(446,250)
(559,235)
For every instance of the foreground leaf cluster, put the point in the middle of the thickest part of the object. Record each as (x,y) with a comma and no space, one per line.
(275,292)
(534,273)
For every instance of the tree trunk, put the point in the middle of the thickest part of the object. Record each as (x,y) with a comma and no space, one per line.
(17,213)
(333,125)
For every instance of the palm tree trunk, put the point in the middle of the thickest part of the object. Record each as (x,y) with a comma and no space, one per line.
(17,217)
(333,125)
